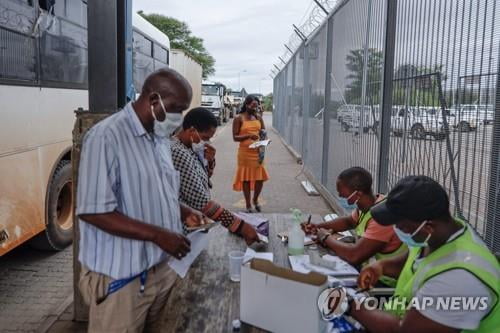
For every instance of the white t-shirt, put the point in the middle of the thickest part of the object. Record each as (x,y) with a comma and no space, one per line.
(454,283)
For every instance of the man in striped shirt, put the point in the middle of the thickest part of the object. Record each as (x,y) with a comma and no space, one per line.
(130,217)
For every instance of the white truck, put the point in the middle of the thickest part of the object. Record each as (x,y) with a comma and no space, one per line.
(420,122)
(237,100)
(191,70)
(469,116)
(212,98)
(356,117)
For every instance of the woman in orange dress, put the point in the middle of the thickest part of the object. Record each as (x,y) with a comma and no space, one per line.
(251,173)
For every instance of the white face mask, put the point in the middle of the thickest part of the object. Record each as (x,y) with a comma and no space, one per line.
(169,125)
(199,148)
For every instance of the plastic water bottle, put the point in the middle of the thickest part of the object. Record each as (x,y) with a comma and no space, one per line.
(296,235)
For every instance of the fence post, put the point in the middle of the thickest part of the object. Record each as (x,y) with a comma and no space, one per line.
(492,227)
(328,97)
(305,105)
(386,110)
(292,104)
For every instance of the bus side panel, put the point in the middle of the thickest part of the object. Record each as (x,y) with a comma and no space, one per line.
(35,130)
(22,208)
(57,118)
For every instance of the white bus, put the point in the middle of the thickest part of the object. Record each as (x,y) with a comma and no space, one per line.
(43,79)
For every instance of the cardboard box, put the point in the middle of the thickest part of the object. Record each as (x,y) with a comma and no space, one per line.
(281,300)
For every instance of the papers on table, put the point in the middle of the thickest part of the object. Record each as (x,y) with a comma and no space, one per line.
(258,144)
(263,238)
(302,264)
(261,224)
(330,217)
(199,241)
(250,254)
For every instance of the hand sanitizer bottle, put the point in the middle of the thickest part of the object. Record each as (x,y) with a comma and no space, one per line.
(296,235)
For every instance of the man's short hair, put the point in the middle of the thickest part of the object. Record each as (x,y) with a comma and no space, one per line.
(357,178)
(199,118)
(166,80)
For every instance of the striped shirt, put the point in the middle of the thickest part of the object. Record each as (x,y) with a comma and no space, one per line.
(125,169)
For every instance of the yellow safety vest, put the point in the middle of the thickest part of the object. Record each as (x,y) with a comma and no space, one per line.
(363,219)
(464,252)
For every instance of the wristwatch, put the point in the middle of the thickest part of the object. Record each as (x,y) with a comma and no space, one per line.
(324,238)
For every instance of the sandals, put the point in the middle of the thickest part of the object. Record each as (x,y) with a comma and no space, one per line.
(249,210)
(257,207)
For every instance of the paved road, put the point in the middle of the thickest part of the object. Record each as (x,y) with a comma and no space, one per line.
(32,286)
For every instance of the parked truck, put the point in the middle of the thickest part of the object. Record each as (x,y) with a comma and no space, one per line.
(191,70)
(237,100)
(212,98)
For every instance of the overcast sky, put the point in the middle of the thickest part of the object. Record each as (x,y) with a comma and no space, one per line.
(241,35)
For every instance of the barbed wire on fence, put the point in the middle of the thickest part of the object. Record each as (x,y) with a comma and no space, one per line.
(312,19)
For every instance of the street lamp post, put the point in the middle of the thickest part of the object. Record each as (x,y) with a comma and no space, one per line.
(239,78)
(260,84)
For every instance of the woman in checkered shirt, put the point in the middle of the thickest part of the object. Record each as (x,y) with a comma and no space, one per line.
(194,158)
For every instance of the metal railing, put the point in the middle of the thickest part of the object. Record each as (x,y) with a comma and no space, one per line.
(401,87)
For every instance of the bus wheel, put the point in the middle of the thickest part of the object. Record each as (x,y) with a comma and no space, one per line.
(59,225)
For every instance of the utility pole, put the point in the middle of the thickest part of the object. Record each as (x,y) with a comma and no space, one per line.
(239,78)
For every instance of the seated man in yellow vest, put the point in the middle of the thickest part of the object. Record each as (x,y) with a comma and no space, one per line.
(449,281)
(354,186)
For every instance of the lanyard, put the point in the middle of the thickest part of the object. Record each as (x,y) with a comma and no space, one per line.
(119,284)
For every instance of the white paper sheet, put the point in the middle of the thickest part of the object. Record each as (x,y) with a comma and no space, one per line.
(250,254)
(302,264)
(330,217)
(199,241)
(258,144)
(263,238)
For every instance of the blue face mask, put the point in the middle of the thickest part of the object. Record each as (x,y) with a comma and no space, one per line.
(344,202)
(408,238)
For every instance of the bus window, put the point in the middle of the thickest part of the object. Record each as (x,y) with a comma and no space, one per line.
(18,15)
(161,56)
(142,44)
(74,11)
(63,56)
(17,46)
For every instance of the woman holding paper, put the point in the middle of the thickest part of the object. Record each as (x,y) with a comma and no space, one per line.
(248,127)
(190,149)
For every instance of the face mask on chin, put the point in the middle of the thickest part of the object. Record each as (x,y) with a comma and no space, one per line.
(171,122)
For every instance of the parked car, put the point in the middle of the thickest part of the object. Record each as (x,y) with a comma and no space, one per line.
(464,119)
(419,122)
(356,117)
(483,114)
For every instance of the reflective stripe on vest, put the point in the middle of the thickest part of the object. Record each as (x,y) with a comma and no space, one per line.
(466,252)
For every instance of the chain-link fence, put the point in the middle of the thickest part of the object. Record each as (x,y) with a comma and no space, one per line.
(401,87)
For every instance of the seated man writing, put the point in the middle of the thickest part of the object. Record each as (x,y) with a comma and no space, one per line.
(354,186)
(189,151)
(449,280)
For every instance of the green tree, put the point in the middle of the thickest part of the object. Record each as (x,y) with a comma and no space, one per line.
(181,38)
(267,103)
(355,65)
(417,85)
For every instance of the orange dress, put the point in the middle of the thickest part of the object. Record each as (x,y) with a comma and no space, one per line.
(249,168)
